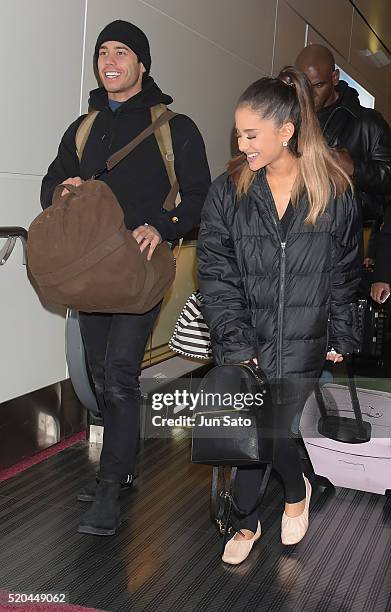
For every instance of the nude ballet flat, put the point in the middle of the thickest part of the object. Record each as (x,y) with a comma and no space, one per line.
(236,551)
(293,529)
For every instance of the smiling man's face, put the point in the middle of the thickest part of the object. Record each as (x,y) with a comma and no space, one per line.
(120,71)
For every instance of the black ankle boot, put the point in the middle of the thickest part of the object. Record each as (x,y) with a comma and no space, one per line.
(103,517)
(87,493)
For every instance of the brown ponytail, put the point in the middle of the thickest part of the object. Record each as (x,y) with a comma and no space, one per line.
(289,98)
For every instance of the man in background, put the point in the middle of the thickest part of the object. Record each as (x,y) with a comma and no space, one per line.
(380,289)
(359,137)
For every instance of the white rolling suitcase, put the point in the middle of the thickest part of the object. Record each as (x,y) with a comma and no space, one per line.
(347,434)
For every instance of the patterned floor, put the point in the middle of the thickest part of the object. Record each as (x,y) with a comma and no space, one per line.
(165,557)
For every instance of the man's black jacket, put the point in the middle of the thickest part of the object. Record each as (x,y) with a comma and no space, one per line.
(367,137)
(140,181)
(382,272)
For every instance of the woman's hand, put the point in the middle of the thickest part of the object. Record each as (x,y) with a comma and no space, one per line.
(253,360)
(333,356)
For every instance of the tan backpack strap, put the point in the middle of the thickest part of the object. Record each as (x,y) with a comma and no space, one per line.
(164,140)
(163,137)
(173,197)
(122,153)
(160,126)
(83,132)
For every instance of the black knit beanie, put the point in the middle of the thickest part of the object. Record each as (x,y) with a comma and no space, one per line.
(128,34)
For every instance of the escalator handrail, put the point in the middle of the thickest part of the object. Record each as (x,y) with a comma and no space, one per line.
(8,232)
(12,233)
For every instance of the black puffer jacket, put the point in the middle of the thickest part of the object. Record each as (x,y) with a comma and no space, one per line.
(270,298)
(367,136)
(140,181)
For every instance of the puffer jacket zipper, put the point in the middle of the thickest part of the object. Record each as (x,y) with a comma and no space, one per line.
(281,282)
(281,299)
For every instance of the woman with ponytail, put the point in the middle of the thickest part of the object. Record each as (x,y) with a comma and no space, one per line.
(279,263)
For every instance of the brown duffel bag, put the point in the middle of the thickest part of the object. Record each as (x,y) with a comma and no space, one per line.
(81,255)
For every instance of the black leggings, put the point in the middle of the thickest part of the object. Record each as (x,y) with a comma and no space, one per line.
(286,461)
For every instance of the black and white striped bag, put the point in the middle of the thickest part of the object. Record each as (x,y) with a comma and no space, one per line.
(191,334)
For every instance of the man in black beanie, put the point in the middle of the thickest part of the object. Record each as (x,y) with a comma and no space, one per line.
(115,343)
(131,36)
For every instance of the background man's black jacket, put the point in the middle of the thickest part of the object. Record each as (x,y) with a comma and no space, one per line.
(382,271)
(140,181)
(367,137)
(255,307)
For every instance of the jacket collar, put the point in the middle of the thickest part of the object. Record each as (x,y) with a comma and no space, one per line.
(348,102)
(262,194)
(150,95)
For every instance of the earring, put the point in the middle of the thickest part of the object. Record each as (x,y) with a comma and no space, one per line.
(284,144)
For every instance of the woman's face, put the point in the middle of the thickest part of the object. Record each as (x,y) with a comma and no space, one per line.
(259,139)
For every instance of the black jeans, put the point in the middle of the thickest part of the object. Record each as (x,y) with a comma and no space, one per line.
(115,346)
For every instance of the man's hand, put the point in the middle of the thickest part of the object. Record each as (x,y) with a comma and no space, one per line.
(343,159)
(147,235)
(75,181)
(380,292)
(369,262)
(333,356)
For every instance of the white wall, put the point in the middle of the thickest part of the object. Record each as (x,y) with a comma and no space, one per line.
(204,53)
(338,24)
(40,95)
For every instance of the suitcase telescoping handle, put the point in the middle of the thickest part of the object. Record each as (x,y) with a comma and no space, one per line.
(353,395)
(339,428)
